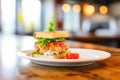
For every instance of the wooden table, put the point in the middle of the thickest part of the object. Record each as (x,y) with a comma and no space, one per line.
(14,68)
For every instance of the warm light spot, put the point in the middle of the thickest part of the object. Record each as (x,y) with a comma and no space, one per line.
(65,7)
(76,8)
(88,10)
(103,9)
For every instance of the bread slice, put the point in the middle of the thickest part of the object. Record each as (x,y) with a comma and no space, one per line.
(55,34)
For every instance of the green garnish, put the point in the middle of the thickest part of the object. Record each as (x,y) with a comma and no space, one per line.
(51,27)
(34,52)
(44,41)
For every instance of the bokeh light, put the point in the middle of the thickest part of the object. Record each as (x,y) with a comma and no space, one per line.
(76,8)
(103,9)
(88,9)
(65,7)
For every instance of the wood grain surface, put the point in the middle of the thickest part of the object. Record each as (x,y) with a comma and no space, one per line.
(103,70)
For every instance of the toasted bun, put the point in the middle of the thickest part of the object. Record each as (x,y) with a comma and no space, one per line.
(55,34)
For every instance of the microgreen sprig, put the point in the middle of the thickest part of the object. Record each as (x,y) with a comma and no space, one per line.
(51,27)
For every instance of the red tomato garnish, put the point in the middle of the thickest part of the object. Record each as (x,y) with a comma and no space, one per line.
(56,43)
(72,55)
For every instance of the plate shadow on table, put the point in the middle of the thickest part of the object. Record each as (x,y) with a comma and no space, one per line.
(92,66)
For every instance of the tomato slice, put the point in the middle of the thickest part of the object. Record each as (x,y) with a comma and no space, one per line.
(72,55)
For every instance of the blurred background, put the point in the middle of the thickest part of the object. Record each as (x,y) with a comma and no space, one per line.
(93,21)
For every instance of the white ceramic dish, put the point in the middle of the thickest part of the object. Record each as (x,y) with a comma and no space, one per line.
(87,56)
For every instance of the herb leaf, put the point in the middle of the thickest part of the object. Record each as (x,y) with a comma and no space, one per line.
(51,26)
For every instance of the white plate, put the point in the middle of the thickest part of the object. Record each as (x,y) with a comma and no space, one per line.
(87,56)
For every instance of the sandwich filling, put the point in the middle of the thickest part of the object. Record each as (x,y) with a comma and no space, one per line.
(50,47)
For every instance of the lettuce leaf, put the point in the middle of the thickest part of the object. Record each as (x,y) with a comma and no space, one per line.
(44,41)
